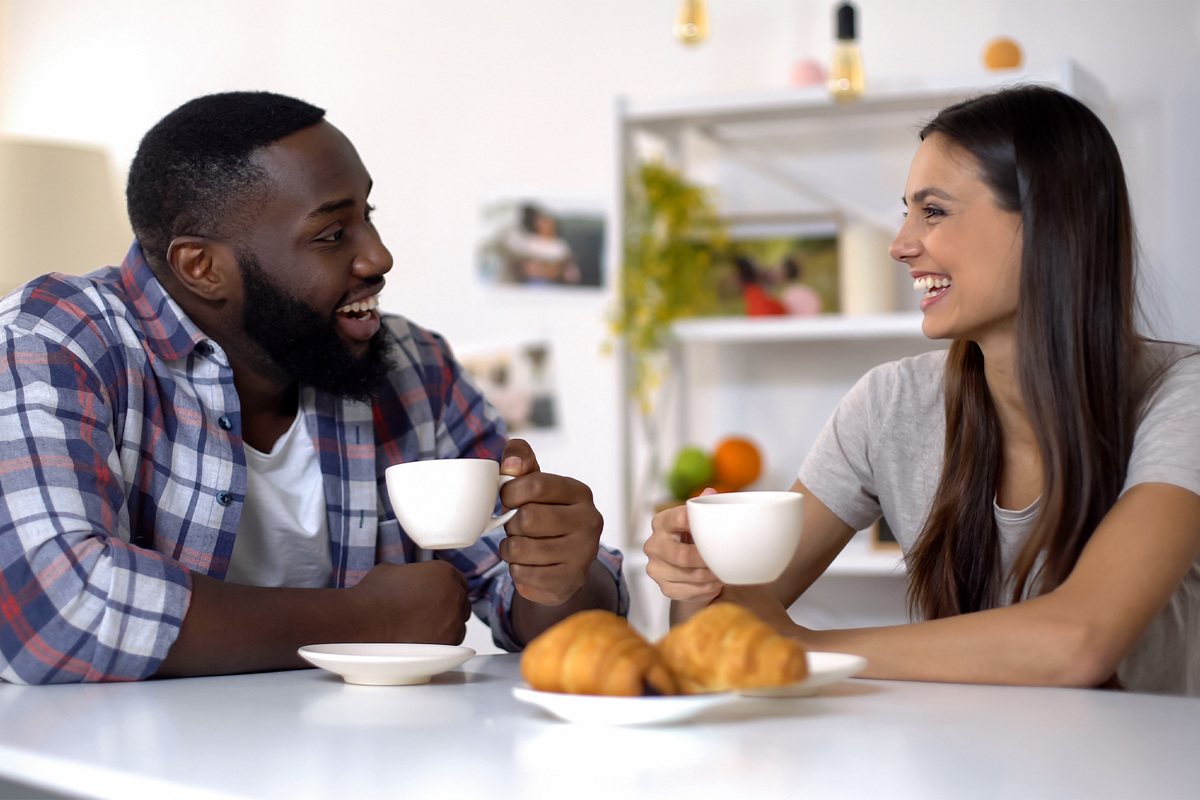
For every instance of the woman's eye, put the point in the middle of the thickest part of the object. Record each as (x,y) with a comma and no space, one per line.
(933,211)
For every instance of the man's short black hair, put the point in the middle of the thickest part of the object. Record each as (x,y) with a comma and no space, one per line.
(195,166)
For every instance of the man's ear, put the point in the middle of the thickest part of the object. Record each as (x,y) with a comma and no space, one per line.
(202,265)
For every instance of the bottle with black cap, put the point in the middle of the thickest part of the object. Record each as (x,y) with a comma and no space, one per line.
(846,73)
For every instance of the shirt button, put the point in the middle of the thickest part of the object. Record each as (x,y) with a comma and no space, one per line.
(224,423)
(203,348)
(224,498)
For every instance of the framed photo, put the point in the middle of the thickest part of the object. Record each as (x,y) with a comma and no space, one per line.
(792,259)
(537,241)
(882,537)
(518,379)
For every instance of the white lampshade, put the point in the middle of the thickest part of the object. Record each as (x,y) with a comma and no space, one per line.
(60,210)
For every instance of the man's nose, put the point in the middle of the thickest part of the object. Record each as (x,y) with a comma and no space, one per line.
(374,258)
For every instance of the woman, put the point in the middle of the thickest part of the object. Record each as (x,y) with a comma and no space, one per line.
(1043,475)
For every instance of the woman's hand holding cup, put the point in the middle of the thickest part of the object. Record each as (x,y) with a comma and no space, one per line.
(674,562)
(737,538)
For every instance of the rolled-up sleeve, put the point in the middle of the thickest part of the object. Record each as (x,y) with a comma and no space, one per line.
(78,601)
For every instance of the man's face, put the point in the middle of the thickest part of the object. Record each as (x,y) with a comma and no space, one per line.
(313,265)
(306,344)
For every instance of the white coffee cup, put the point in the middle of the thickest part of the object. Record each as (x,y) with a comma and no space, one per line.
(746,537)
(446,503)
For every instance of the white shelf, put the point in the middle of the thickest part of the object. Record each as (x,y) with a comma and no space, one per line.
(826,327)
(904,97)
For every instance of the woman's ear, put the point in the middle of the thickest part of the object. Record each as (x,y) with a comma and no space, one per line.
(203,266)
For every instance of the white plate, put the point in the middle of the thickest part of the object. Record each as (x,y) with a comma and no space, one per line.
(823,669)
(386,664)
(599,710)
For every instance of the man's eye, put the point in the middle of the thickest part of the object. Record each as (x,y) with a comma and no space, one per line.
(369,211)
(333,237)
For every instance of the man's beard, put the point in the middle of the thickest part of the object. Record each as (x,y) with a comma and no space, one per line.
(305,344)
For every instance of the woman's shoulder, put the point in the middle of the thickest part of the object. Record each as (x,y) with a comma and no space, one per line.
(912,380)
(1170,367)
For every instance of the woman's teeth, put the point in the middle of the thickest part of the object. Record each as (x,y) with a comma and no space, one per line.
(929,283)
(362,308)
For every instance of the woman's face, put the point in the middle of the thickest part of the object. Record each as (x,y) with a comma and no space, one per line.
(962,250)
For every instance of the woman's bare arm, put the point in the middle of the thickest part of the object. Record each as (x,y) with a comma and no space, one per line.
(1076,635)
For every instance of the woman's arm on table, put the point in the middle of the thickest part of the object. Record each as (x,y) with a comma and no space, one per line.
(1075,635)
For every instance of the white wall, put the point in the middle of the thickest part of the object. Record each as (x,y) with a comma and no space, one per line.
(454,101)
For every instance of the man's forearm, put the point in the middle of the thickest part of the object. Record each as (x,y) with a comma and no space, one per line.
(230,628)
(599,591)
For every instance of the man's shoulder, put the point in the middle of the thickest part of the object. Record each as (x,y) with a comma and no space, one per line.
(60,306)
(427,382)
(415,344)
(422,363)
(112,308)
(403,328)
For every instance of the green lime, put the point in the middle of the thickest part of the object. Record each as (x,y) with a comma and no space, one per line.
(692,470)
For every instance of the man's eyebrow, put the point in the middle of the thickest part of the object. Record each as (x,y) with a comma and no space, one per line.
(337,205)
(331,207)
(921,194)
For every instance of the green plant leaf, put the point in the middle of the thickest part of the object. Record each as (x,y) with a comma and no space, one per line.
(674,251)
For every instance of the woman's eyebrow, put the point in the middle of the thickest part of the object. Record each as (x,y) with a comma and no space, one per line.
(921,194)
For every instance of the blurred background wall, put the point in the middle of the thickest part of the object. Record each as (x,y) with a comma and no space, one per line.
(453,102)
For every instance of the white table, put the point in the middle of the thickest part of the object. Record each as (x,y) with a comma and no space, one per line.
(306,734)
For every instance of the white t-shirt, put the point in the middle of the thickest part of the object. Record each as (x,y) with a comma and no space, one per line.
(881,452)
(283,534)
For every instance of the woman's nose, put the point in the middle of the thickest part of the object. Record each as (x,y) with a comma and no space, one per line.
(905,245)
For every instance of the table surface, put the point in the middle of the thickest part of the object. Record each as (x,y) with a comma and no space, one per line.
(306,734)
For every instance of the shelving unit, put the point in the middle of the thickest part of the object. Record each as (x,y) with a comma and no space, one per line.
(779,155)
(827,327)
(711,353)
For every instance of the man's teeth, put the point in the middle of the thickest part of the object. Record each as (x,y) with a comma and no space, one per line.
(362,307)
(930,282)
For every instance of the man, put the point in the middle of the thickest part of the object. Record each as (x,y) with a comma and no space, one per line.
(194,444)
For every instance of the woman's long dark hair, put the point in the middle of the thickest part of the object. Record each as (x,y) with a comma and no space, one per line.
(1046,155)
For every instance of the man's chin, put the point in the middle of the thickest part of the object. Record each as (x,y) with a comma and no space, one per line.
(359,374)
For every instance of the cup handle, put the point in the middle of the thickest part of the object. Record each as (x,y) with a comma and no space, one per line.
(507,515)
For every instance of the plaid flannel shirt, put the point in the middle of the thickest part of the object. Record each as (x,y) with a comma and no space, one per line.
(122,469)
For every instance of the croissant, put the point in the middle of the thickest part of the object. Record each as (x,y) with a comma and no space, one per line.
(595,652)
(726,646)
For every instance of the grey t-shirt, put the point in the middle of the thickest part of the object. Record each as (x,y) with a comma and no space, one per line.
(881,453)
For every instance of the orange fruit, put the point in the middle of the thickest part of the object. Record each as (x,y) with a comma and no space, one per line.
(737,463)
(1002,53)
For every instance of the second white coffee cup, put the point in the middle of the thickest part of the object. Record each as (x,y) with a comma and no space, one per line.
(746,537)
(446,503)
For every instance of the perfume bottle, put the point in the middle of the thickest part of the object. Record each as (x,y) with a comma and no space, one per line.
(846,73)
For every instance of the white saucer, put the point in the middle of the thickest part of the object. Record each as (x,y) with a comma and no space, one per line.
(601,710)
(386,664)
(823,669)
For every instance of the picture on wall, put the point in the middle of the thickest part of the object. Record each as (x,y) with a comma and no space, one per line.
(542,242)
(518,379)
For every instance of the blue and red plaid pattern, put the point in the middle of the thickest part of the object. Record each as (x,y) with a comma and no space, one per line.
(122,468)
